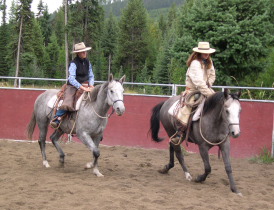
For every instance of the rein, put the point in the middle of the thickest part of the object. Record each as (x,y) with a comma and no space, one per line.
(207,141)
(108,115)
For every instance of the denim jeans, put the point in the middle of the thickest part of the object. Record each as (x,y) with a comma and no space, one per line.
(60,112)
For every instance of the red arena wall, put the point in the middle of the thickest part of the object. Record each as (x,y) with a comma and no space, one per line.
(131,129)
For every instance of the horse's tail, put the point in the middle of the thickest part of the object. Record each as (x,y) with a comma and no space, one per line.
(155,122)
(31,126)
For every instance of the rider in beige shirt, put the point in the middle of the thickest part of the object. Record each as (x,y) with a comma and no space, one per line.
(200,76)
(201,73)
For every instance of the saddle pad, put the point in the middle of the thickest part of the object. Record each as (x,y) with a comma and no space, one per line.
(196,114)
(52,101)
(198,111)
(172,108)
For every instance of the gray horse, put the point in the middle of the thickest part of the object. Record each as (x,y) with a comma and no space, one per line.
(90,121)
(219,119)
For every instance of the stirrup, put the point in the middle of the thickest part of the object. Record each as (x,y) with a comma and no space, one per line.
(176,138)
(56,122)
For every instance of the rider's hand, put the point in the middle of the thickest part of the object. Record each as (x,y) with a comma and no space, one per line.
(87,89)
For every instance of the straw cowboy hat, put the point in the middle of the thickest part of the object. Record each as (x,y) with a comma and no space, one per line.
(203,47)
(80,47)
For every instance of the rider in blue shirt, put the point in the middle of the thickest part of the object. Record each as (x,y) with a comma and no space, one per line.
(80,71)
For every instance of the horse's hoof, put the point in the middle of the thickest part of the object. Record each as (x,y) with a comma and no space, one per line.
(188,176)
(199,179)
(239,194)
(163,171)
(61,164)
(89,165)
(46,164)
(97,173)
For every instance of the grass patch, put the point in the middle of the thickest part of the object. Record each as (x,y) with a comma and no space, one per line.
(263,157)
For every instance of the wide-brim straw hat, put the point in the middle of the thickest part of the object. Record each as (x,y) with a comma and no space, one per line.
(80,47)
(204,47)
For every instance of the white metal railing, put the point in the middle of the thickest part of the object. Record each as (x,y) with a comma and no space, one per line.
(174,87)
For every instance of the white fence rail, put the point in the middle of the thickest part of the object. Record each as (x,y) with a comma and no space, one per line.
(173,87)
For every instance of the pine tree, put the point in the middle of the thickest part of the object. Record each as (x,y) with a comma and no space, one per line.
(43,17)
(59,27)
(132,43)
(162,25)
(3,41)
(53,50)
(13,38)
(240,30)
(153,39)
(109,40)
(38,43)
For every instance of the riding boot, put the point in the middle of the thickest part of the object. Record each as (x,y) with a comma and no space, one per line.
(54,123)
(178,137)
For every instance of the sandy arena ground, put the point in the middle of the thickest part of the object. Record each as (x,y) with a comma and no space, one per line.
(131,181)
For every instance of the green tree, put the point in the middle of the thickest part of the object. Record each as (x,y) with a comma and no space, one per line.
(13,38)
(132,44)
(43,17)
(238,29)
(53,50)
(38,43)
(109,40)
(3,41)
(99,64)
(153,39)
(59,26)
(162,24)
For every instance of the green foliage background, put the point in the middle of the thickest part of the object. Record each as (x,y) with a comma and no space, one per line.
(148,40)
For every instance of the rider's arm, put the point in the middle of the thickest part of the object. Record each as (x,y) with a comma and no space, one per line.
(72,76)
(211,75)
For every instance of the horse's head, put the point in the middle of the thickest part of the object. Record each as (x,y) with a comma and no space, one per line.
(115,97)
(232,111)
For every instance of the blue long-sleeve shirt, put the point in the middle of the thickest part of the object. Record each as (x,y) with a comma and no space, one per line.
(72,76)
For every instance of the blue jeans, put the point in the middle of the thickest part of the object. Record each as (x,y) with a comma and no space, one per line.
(60,113)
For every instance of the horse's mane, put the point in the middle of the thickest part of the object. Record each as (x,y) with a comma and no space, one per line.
(212,101)
(96,89)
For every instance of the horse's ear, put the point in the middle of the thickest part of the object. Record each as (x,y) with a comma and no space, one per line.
(123,78)
(239,93)
(226,92)
(110,77)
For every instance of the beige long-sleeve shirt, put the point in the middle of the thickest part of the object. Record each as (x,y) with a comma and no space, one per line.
(197,78)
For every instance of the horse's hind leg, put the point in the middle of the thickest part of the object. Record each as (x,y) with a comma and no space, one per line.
(42,144)
(180,157)
(204,154)
(54,138)
(171,161)
(225,149)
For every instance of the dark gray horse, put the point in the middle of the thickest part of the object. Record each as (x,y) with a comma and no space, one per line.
(90,122)
(219,119)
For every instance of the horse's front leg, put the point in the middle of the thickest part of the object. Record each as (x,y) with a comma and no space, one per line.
(204,154)
(87,140)
(225,149)
(180,157)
